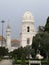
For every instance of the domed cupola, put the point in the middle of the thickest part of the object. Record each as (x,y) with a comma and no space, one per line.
(28,17)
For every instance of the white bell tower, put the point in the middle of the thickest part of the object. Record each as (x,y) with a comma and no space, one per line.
(8,37)
(27,29)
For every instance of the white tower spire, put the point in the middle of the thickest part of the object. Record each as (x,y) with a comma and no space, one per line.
(8,37)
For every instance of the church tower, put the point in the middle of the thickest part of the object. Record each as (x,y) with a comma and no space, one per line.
(27,29)
(8,37)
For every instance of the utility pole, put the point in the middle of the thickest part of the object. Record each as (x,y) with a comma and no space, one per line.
(2,31)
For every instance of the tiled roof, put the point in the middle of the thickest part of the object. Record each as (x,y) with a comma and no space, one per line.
(15,41)
(1,37)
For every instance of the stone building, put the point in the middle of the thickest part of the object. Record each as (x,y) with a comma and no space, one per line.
(27,29)
(27,33)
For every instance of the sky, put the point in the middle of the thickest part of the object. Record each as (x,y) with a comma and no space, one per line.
(13,10)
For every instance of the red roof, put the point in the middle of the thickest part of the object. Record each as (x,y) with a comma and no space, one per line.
(2,38)
(15,41)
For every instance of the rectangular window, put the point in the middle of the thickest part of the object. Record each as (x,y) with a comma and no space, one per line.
(28,40)
(28,29)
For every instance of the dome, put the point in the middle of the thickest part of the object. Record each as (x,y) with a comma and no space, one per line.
(28,16)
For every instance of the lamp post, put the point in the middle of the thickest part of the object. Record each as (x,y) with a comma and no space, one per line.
(2,31)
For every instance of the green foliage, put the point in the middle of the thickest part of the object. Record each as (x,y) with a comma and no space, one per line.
(41,29)
(44,62)
(22,53)
(0,59)
(3,51)
(19,53)
(36,41)
(42,38)
(23,62)
(47,25)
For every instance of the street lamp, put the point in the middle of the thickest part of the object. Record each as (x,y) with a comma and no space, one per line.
(2,31)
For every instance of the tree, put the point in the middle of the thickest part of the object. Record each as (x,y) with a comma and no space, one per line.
(3,51)
(36,42)
(19,53)
(41,29)
(45,42)
(22,53)
(43,39)
(28,51)
(47,25)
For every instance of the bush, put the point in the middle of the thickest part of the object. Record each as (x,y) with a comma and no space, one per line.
(0,59)
(45,63)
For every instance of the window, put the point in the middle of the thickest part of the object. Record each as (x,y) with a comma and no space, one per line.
(28,29)
(28,41)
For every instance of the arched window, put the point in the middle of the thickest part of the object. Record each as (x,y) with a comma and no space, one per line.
(28,29)
(28,40)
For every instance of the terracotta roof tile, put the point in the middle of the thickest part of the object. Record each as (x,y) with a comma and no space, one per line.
(1,37)
(15,41)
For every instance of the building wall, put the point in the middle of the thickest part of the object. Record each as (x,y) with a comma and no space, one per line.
(27,23)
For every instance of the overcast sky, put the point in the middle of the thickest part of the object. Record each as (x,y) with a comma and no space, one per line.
(13,11)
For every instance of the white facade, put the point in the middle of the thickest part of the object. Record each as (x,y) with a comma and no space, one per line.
(26,34)
(27,29)
(8,38)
